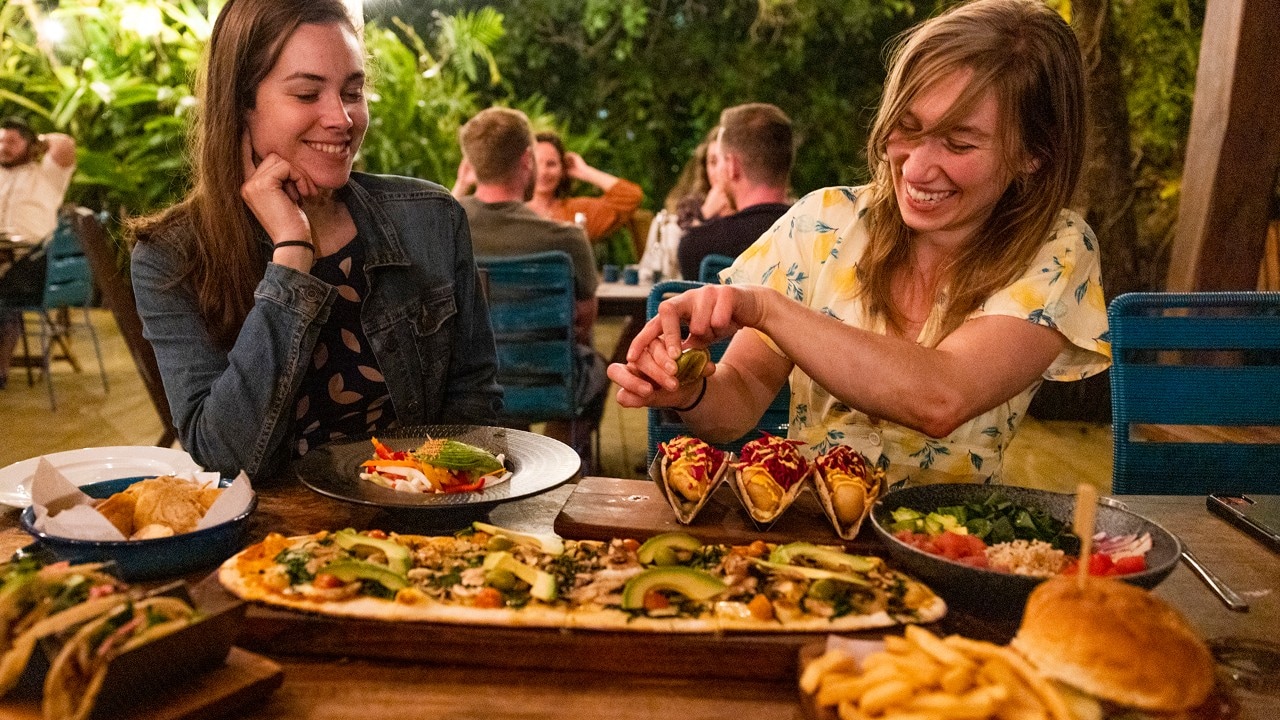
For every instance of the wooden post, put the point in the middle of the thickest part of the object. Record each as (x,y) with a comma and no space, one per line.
(1233,151)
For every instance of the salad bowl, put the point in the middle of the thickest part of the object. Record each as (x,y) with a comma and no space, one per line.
(1001,594)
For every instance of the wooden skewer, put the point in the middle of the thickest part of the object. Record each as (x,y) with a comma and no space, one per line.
(1085,515)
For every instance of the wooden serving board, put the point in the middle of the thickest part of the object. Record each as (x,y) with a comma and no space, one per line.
(221,692)
(605,508)
(735,656)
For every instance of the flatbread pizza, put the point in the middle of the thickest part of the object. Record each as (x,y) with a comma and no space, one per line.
(493,576)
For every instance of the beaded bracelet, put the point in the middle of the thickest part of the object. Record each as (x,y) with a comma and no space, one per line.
(701,393)
(295,243)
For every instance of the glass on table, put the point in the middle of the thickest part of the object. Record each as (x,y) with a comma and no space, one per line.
(1248,664)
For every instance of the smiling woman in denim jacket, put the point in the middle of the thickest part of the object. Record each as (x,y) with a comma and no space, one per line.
(289,300)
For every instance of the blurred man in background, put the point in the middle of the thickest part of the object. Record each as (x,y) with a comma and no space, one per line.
(498,157)
(753,155)
(35,171)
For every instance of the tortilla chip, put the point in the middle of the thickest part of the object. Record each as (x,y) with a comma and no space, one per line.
(167,501)
(152,531)
(119,510)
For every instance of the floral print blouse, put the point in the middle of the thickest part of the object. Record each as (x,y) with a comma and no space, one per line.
(811,255)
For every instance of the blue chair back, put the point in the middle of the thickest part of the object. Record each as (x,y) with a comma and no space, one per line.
(68,277)
(531,303)
(665,424)
(1207,360)
(710,267)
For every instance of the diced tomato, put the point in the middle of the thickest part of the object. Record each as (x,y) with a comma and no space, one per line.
(761,608)
(325,581)
(977,548)
(489,598)
(1129,565)
(630,544)
(654,600)
(377,534)
(951,545)
(1099,564)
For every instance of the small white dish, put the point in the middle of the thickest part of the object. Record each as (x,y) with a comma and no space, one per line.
(89,465)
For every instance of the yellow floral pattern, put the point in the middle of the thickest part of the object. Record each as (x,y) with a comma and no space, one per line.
(811,255)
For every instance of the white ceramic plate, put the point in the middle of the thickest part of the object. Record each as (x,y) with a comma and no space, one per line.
(88,465)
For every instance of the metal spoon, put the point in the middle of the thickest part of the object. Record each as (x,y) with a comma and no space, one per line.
(1228,596)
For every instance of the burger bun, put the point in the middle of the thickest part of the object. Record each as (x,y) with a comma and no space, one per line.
(1116,642)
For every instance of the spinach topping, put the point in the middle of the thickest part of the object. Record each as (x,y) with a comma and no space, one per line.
(295,565)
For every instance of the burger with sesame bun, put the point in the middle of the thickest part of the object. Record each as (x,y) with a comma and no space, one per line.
(1117,651)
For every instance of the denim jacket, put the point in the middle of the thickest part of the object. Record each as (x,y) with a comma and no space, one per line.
(424,317)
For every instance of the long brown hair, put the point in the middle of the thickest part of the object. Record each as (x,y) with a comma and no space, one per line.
(222,260)
(566,182)
(1028,56)
(693,178)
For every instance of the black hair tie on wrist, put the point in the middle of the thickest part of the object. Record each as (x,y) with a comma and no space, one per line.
(295,243)
(701,394)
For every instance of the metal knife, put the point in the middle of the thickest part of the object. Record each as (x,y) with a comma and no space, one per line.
(1219,588)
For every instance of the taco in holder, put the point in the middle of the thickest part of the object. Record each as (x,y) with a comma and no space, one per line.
(689,469)
(769,475)
(36,602)
(847,486)
(76,674)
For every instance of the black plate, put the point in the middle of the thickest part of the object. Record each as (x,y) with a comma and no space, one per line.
(537,463)
(1000,594)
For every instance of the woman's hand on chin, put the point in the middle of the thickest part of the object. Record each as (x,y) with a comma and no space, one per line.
(274,191)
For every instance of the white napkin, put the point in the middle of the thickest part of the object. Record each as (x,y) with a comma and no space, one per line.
(62,510)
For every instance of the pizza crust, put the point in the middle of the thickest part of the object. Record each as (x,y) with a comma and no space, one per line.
(239,574)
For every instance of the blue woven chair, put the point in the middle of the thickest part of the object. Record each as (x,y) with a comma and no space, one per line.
(68,284)
(531,305)
(710,267)
(1185,364)
(665,424)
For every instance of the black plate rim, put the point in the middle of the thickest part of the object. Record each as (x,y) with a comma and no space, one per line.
(507,491)
(1147,578)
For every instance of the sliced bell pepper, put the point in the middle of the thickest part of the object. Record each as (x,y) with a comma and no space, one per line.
(386,453)
(473,487)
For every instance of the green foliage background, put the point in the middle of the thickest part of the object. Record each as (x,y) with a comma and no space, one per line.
(633,84)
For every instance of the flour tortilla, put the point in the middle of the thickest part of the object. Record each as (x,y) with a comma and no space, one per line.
(70,690)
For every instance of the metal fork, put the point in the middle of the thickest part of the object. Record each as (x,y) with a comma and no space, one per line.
(1228,596)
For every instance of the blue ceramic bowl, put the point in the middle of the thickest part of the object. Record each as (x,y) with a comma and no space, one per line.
(148,559)
(997,594)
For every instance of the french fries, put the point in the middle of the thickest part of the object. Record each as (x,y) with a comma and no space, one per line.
(924,677)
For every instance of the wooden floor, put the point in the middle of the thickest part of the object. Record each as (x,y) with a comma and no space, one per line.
(1051,455)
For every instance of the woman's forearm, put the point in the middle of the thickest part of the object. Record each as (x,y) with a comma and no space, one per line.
(931,390)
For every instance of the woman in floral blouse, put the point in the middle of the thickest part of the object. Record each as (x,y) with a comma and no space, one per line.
(916,316)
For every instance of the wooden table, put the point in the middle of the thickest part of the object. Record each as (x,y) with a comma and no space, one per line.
(323,687)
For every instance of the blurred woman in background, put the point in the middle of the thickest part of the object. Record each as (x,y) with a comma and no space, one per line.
(557,169)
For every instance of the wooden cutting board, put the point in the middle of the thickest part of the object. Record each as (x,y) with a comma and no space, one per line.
(605,508)
(245,678)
